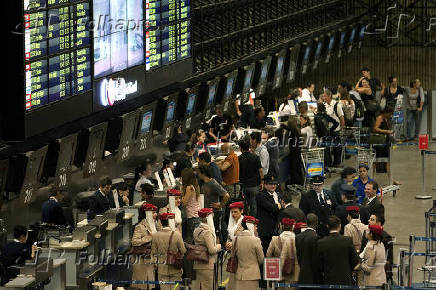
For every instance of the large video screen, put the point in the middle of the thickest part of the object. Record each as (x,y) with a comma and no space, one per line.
(229,86)
(146,122)
(248,77)
(171,110)
(56,51)
(318,49)
(211,94)
(353,35)
(118,35)
(191,104)
(331,43)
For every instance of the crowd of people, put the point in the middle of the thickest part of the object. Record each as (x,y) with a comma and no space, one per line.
(238,209)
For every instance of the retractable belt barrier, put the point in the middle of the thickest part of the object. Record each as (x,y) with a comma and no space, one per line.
(426,239)
(394,287)
(140,282)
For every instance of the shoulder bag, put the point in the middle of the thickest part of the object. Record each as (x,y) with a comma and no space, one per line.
(197,253)
(232,265)
(174,259)
(143,250)
(289,263)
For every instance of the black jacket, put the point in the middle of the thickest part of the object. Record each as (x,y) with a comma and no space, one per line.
(267,211)
(337,259)
(52,213)
(292,213)
(306,243)
(99,204)
(375,207)
(309,203)
(341,212)
(336,189)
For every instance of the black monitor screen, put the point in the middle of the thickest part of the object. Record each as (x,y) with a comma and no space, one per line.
(331,42)
(362,32)
(170,110)
(264,72)
(248,75)
(191,103)
(318,49)
(353,35)
(229,87)
(307,54)
(280,61)
(211,96)
(342,42)
(146,122)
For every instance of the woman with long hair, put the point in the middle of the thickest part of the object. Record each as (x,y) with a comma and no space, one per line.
(348,106)
(191,202)
(391,92)
(414,104)
(373,259)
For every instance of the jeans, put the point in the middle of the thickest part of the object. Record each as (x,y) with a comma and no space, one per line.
(413,123)
(191,224)
(250,199)
(233,190)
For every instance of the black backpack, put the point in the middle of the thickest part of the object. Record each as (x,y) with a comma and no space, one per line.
(321,126)
(360,108)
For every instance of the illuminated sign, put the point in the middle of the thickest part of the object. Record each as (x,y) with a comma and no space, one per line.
(115,90)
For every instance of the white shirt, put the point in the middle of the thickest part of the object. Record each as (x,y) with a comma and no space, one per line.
(263,154)
(308,132)
(330,109)
(306,96)
(275,196)
(141,181)
(305,229)
(288,108)
(115,194)
(371,199)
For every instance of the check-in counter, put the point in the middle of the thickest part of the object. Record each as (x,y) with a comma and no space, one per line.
(20,282)
(58,280)
(71,252)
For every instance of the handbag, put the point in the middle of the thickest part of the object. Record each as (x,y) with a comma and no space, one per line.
(372,106)
(232,265)
(289,264)
(197,253)
(174,259)
(143,250)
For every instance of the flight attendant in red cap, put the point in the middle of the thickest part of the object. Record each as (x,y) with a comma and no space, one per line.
(204,235)
(143,269)
(234,228)
(163,242)
(374,259)
(355,228)
(276,245)
(248,250)
(288,253)
(174,201)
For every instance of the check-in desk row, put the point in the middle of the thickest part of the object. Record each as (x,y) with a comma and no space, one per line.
(73,261)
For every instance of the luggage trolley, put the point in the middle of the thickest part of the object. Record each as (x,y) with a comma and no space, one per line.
(351,136)
(313,162)
(366,156)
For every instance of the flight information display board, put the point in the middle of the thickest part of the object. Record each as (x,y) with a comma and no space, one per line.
(56,50)
(167,32)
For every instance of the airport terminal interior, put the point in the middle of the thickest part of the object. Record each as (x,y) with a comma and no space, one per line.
(219,144)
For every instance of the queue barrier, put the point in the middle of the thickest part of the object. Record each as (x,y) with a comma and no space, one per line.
(141,282)
(347,287)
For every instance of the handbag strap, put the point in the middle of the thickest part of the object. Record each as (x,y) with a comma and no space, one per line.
(169,243)
(358,233)
(234,248)
(280,243)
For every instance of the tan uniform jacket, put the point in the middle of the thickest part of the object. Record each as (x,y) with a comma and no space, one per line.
(159,248)
(355,229)
(203,236)
(275,247)
(289,243)
(250,256)
(373,264)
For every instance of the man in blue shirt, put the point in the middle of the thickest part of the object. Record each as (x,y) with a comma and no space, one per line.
(204,159)
(361,181)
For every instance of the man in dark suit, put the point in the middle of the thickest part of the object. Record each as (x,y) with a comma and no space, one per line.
(289,211)
(305,243)
(16,253)
(320,202)
(349,198)
(372,202)
(52,212)
(336,255)
(268,207)
(100,202)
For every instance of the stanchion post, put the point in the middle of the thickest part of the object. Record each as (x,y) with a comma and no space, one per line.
(411,252)
(401,269)
(422,170)
(186,283)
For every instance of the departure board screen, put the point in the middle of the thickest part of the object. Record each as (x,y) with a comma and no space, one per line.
(167,32)
(56,50)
